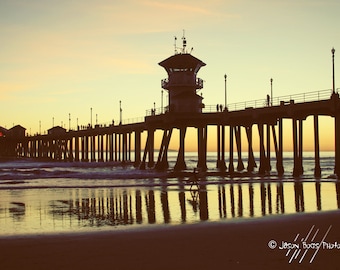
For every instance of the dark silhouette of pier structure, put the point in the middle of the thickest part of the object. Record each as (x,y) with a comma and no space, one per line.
(186,109)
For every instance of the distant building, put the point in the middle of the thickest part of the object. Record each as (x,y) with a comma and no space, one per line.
(57,130)
(16,131)
(182,82)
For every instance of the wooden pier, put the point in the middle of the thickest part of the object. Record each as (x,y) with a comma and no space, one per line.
(123,142)
(117,142)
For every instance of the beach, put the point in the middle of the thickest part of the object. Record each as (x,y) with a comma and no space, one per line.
(93,216)
(239,244)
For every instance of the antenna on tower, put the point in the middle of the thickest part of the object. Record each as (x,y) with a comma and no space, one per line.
(184,42)
(175,45)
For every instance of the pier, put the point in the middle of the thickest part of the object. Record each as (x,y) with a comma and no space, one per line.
(185,109)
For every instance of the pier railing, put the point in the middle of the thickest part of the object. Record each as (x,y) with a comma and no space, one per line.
(103,125)
(124,122)
(260,103)
(276,101)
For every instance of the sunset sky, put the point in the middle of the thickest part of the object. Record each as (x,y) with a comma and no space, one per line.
(65,57)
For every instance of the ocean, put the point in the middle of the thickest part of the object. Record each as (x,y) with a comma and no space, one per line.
(39,197)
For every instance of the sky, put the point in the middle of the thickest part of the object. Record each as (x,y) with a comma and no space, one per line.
(62,58)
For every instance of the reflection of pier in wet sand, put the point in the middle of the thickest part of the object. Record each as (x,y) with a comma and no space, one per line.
(180,204)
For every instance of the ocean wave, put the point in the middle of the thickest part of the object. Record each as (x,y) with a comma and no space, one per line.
(28,173)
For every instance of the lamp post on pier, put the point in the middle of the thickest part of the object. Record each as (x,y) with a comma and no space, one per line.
(120,112)
(91,117)
(271,91)
(333,52)
(225,91)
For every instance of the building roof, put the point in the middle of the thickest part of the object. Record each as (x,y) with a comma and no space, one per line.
(3,129)
(185,60)
(16,131)
(17,127)
(56,128)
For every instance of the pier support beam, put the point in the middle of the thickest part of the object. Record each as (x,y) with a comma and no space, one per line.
(119,147)
(82,145)
(231,149)
(137,148)
(162,161)
(85,148)
(220,164)
(251,159)
(263,161)
(317,169)
(70,152)
(124,147)
(223,165)
(218,146)
(99,152)
(276,147)
(76,150)
(337,145)
(337,135)
(116,146)
(107,150)
(129,145)
(151,162)
(279,156)
(93,148)
(202,148)
(297,147)
(301,146)
(240,166)
(102,147)
(148,150)
(180,163)
(111,146)
(269,167)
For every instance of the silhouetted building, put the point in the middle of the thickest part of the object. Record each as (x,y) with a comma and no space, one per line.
(16,131)
(57,130)
(182,82)
(3,131)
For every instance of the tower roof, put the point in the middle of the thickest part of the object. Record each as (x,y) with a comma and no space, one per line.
(182,61)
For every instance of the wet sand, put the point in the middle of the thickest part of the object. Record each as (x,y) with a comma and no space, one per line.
(233,244)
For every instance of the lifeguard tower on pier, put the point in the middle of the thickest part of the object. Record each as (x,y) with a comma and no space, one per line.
(182,83)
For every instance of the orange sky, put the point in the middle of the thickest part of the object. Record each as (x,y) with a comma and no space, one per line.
(61,58)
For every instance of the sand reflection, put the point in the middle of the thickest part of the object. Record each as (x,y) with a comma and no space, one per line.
(84,208)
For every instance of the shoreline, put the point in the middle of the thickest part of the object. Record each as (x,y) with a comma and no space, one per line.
(238,244)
